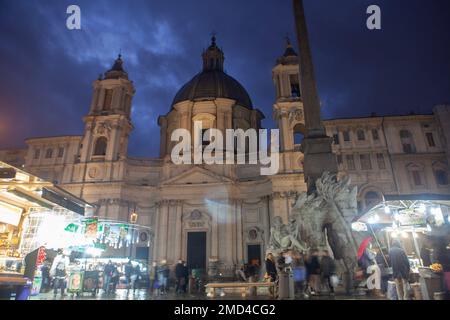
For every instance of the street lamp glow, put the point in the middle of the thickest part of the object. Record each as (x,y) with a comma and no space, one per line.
(387,209)
(422,208)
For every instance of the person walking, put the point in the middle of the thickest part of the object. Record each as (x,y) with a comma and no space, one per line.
(312,265)
(107,274)
(186,276)
(327,270)
(59,272)
(179,274)
(135,275)
(271,270)
(381,259)
(128,272)
(400,269)
(115,277)
(152,277)
(163,275)
(45,269)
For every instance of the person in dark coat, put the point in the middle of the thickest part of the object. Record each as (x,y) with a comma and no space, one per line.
(271,268)
(128,271)
(426,253)
(185,276)
(381,258)
(400,269)
(327,269)
(312,265)
(179,274)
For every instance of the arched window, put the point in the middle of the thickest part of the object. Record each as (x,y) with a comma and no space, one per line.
(407,141)
(371,199)
(299,132)
(100,146)
(441,173)
(361,135)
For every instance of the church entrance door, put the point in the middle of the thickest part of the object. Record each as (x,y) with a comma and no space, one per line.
(196,250)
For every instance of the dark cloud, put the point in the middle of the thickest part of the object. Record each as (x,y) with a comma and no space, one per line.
(47,70)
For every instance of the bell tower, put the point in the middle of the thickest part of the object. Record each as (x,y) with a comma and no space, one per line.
(288,109)
(108,124)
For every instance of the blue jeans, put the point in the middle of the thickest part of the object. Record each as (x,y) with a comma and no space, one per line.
(106,282)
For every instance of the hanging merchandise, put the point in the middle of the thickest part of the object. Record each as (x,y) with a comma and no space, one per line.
(91,227)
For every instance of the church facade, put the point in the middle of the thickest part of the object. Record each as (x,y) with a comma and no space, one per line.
(221,214)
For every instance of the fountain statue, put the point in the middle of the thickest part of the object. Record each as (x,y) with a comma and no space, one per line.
(320,220)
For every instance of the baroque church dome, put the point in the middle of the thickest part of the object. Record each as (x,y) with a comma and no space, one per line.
(213,82)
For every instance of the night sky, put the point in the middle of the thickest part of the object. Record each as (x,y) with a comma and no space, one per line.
(46,70)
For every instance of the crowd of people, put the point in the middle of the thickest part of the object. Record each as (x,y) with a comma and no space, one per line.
(314,273)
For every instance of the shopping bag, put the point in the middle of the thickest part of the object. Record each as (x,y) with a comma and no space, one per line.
(299,274)
(156,285)
(392,291)
(334,280)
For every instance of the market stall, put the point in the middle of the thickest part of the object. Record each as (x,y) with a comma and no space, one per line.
(421,224)
(29,210)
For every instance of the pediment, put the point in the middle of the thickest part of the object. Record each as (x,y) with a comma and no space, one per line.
(196,176)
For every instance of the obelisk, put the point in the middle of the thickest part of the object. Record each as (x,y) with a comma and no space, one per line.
(316,145)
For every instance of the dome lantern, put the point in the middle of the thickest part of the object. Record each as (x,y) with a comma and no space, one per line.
(213,57)
(117,71)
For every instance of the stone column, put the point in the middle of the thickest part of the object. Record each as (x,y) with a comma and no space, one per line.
(239,231)
(157,240)
(164,229)
(178,230)
(215,231)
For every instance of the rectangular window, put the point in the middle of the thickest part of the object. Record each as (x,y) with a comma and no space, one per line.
(37,153)
(380,161)
(339,159)
(49,153)
(108,99)
(295,86)
(365,162)
(60,152)
(408,148)
(336,138)
(416,178)
(375,134)
(361,135)
(430,139)
(346,135)
(350,162)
